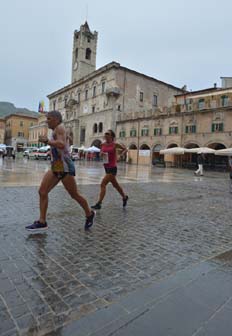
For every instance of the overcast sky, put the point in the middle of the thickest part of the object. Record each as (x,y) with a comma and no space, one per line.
(176,41)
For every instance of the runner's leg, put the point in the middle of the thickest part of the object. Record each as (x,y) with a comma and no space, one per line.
(116,185)
(48,183)
(70,185)
(104,183)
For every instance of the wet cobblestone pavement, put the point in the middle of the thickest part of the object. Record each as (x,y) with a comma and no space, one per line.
(173,220)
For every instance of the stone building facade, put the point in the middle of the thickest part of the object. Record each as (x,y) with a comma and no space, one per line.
(41,128)
(97,99)
(17,130)
(2,130)
(196,119)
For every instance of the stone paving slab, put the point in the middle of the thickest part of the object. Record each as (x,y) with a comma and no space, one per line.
(49,280)
(195,301)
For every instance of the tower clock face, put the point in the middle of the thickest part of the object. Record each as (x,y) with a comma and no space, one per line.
(75,66)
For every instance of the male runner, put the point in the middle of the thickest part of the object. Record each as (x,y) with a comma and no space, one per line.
(62,169)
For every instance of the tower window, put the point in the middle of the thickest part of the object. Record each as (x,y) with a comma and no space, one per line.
(88,54)
(86,94)
(93,109)
(141,96)
(76,53)
(89,39)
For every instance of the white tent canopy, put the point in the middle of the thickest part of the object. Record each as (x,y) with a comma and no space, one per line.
(224,152)
(173,151)
(82,148)
(92,149)
(181,150)
(200,150)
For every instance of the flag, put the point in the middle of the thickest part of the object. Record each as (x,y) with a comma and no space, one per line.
(41,107)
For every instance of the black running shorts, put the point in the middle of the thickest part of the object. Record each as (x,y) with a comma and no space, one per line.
(112,171)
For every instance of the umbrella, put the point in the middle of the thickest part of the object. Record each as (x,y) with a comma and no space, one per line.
(200,150)
(173,150)
(224,152)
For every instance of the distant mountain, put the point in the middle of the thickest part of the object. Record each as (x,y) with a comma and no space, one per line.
(9,108)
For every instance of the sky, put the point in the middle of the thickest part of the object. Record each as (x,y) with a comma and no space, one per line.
(180,42)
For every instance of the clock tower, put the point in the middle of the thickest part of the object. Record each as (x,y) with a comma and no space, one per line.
(84,52)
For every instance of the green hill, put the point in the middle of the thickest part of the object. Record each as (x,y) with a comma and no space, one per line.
(9,108)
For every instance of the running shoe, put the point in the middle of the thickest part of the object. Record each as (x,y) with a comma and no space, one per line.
(125,201)
(37,226)
(97,206)
(90,220)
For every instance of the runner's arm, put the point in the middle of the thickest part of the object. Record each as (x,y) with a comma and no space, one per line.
(60,138)
(122,148)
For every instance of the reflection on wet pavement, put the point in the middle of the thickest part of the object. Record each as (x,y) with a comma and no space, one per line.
(173,220)
(26,172)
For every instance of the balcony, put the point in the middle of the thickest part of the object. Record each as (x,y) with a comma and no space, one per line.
(113,91)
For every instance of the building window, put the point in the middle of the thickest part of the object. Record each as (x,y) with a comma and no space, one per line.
(20,134)
(157,131)
(173,130)
(103,87)
(78,97)
(76,53)
(93,109)
(86,94)
(21,123)
(82,135)
(133,132)
(88,54)
(94,91)
(119,107)
(141,96)
(201,104)
(224,101)
(100,127)
(144,132)
(190,129)
(217,127)
(122,134)
(95,128)
(54,105)
(155,100)
(32,124)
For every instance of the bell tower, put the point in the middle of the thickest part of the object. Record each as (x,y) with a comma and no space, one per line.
(84,52)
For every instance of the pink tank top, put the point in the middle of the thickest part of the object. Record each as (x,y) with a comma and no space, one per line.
(110,149)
